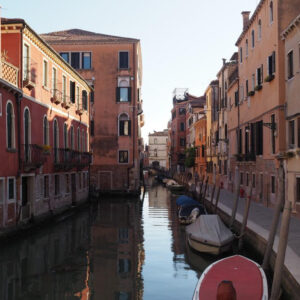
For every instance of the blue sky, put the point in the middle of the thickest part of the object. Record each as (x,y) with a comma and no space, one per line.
(183,41)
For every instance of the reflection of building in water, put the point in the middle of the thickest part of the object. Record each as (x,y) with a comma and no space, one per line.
(158,196)
(118,252)
(51,264)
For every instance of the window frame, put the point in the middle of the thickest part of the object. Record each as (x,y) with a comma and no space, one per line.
(45,73)
(119,153)
(290,65)
(46,140)
(119,60)
(13,129)
(11,200)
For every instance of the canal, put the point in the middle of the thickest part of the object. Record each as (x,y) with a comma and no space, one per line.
(119,249)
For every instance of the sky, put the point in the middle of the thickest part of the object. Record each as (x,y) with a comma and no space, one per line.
(183,41)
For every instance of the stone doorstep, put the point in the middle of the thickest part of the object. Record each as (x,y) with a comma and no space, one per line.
(292,260)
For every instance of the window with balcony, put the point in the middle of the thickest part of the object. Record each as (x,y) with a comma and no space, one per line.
(124,125)
(123,60)
(123,156)
(290,65)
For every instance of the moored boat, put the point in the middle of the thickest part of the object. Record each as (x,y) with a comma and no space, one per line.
(209,234)
(240,276)
(189,213)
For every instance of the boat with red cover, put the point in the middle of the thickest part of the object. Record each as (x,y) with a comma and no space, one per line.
(245,277)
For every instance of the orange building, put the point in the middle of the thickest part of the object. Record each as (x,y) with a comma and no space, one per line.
(260,132)
(44,126)
(113,66)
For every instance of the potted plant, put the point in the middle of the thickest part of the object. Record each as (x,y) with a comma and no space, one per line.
(258,87)
(251,93)
(269,78)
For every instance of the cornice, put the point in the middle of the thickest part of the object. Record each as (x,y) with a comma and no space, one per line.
(291,27)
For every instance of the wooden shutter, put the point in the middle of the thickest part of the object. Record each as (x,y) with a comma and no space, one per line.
(129,127)
(273,62)
(118,94)
(121,127)
(129,94)
(72,91)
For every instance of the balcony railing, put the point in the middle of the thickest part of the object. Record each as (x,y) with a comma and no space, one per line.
(56,96)
(66,102)
(29,78)
(10,73)
(67,159)
(245,157)
(33,156)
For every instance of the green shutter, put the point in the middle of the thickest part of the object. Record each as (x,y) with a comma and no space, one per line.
(118,94)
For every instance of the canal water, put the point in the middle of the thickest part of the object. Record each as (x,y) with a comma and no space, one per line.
(117,249)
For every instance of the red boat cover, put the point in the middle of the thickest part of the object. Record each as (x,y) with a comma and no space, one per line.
(244,274)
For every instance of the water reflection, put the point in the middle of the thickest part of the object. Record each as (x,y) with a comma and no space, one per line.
(119,249)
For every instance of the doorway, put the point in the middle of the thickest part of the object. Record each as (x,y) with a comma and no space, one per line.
(27,197)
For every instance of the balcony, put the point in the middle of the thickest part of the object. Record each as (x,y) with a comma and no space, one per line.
(66,102)
(29,79)
(248,157)
(10,73)
(56,96)
(67,159)
(33,156)
(80,110)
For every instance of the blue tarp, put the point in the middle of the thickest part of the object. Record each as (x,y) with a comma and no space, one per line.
(186,200)
(186,210)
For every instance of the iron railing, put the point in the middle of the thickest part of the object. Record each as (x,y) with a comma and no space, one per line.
(33,156)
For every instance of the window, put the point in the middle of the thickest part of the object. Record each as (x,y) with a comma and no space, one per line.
(45,131)
(242,178)
(123,235)
(124,265)
(259,75)
(182,111)
(181,126)
(92,127)
(54,82)
(241,55)
(46,186)
(246,47)
(271,64)
(72,91)
(225,166)
(247,179)
(155,141)
(75,60)
(252,39)
(123,156)
(123,60)
(56,185)
(78,140)
(259,29)
(240,141)
(10,126)
(271,12)
(273,184)
(298,189)
(182,142)
(27,134)
(236,98)
(246,140)
(253,180)
(247,87)
(290,65)
(65,56)
(86,60)
(124,125)
(11,189)
(273,134)
(26,62)
(259,138)
(123,94)
(291,134)
(72,137)
(253,82)
(84,100)
(55,140)
(65,135)
(92,96)
(45,73)
(64,88)
(226,131)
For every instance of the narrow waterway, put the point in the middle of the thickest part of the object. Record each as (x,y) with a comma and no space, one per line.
(119,249)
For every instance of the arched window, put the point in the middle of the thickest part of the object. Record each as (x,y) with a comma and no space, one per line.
(55,140)
(66,136)
(78,139)
(27,134)
(124,125)
(45,131)
(271,12)
(72,137)
(10,126)
(252,39)
(259,29)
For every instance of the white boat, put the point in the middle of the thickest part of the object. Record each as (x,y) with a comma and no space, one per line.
(234,277)
(209,234)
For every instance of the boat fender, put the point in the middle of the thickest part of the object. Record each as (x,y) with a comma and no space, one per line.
(226,291)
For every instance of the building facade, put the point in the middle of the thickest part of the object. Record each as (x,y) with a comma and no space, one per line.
(291,37)
(113,66)
(45,119)
(157,147)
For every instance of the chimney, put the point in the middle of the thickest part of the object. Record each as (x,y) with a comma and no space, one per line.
(245,18)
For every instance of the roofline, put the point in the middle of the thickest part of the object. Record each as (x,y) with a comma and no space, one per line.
(258,7)
(25,25)
(290,27)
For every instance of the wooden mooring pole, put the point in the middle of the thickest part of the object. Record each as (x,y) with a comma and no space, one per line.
(245,218)
(283,239)
(235,203)
(217,199)
(279,203)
